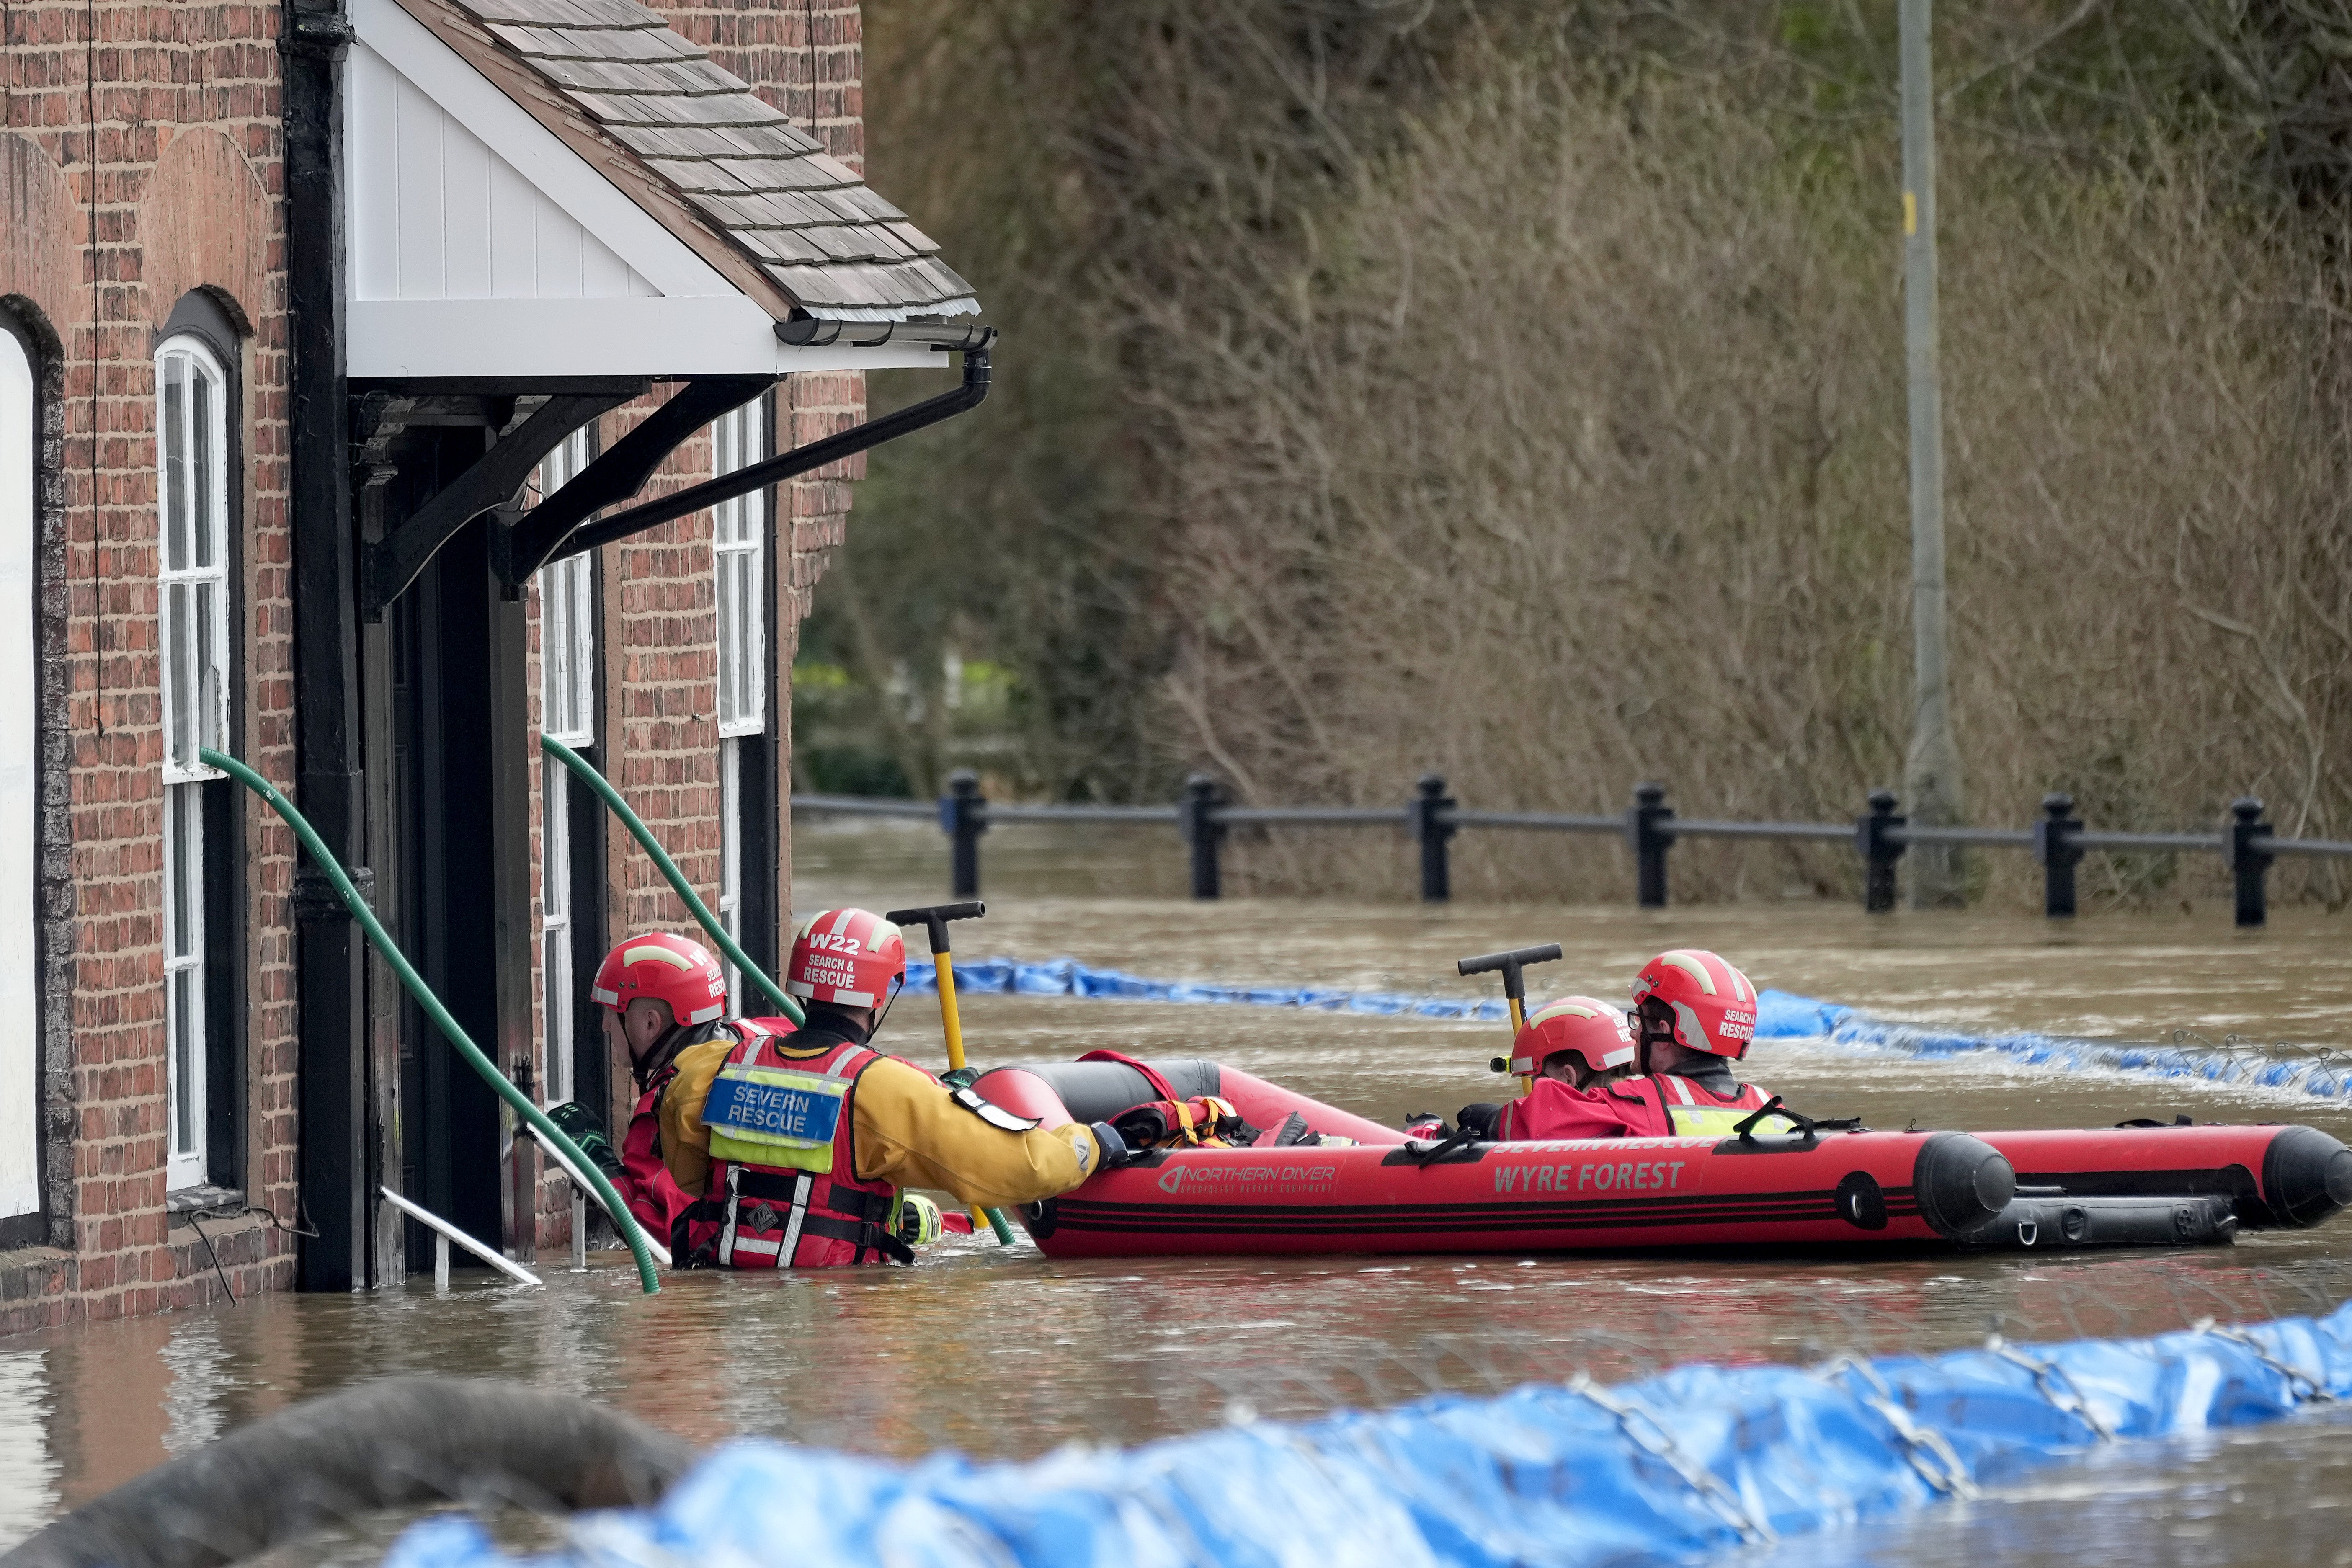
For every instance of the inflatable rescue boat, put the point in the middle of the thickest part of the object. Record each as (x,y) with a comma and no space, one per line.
(1319,1179)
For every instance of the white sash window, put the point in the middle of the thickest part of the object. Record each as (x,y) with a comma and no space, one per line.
(567,664)
(192,491)
(738,545)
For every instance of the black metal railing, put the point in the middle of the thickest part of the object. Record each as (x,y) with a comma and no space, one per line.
(1649,827)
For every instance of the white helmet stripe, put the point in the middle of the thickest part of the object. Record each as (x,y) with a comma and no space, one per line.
(842,925)
(1694,965)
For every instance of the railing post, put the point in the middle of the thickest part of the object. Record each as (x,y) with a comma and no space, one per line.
(1878,852)
(2053,847)
(2249,866)
(1430,826)
(1203,832)
(1648,836)
(963,817)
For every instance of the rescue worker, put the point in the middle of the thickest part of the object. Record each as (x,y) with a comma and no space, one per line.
(1694,1015)
(1568,1050)
(757,1144)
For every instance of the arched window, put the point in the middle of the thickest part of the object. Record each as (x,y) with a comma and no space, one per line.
(20,1045)
(193,414)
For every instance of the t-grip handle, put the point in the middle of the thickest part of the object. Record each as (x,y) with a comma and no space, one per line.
(1515,985)
(934,918)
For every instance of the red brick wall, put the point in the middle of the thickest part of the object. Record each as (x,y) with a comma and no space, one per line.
(179,181)
(159,178)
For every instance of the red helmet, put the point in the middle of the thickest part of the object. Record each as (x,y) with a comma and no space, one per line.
(854,957)
(662,968)
(1713,1003)
(1594,1030)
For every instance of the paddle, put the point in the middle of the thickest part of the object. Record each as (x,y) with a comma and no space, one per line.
(934,918)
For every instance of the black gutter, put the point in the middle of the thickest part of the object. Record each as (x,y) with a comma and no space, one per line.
(331,1060)
(788,464)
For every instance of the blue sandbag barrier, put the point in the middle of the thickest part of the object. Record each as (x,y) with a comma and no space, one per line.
(1779,1014)
(1694,1460)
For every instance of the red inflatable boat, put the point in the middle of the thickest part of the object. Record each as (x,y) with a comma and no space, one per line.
(1291,1192)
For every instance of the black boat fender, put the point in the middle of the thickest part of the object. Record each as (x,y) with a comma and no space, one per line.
(2055,1222)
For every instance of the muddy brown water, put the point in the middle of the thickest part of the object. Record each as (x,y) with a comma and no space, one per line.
(1003,1353)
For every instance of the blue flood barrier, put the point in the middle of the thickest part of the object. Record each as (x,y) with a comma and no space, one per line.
(1690,1461)
(1781,1015)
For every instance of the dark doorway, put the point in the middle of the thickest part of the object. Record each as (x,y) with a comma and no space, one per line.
(459,817)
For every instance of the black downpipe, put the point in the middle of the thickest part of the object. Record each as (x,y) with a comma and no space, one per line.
(314,36)
(787,465)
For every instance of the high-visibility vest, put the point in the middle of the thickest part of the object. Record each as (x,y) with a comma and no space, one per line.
(783,1191)
(1694,1110)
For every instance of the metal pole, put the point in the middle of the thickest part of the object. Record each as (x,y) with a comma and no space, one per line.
(2248,867)
(1649,837)
(2054,846)
(1931,774)
(1433,830)
(960,813)
(1879,853)
(1203,832)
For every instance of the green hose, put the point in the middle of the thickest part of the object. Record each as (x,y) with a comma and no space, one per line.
(587,775)
(596,781)
(326,861)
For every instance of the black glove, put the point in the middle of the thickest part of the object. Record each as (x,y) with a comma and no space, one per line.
(1479,1119)
(1115,1151)
(577,1122)
(961,1078)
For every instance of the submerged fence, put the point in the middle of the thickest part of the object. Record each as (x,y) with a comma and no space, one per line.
(1649,828)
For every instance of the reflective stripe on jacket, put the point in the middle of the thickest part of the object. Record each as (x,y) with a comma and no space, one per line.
(1668,1105)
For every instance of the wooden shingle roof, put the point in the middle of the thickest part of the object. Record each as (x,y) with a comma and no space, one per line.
(809,224)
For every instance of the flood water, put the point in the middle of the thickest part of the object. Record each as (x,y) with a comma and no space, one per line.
(999,1352)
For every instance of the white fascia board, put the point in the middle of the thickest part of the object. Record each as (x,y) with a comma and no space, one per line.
(542,339)
(568,179)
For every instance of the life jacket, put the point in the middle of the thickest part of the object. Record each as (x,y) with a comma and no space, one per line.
(1691,1110)
(783,1191)
(652,1194)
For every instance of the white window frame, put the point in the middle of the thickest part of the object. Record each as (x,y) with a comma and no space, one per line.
(738,544)
(192,478)
(730,859)
(567,667)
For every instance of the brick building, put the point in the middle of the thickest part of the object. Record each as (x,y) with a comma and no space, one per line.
(348,354)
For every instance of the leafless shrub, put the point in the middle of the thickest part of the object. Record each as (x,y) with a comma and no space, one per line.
(1516,389)
(1571,452)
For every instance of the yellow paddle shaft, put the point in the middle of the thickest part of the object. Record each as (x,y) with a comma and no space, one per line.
(1518,1022)
(944,969)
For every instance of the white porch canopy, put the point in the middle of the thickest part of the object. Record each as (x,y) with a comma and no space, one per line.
(481,245)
